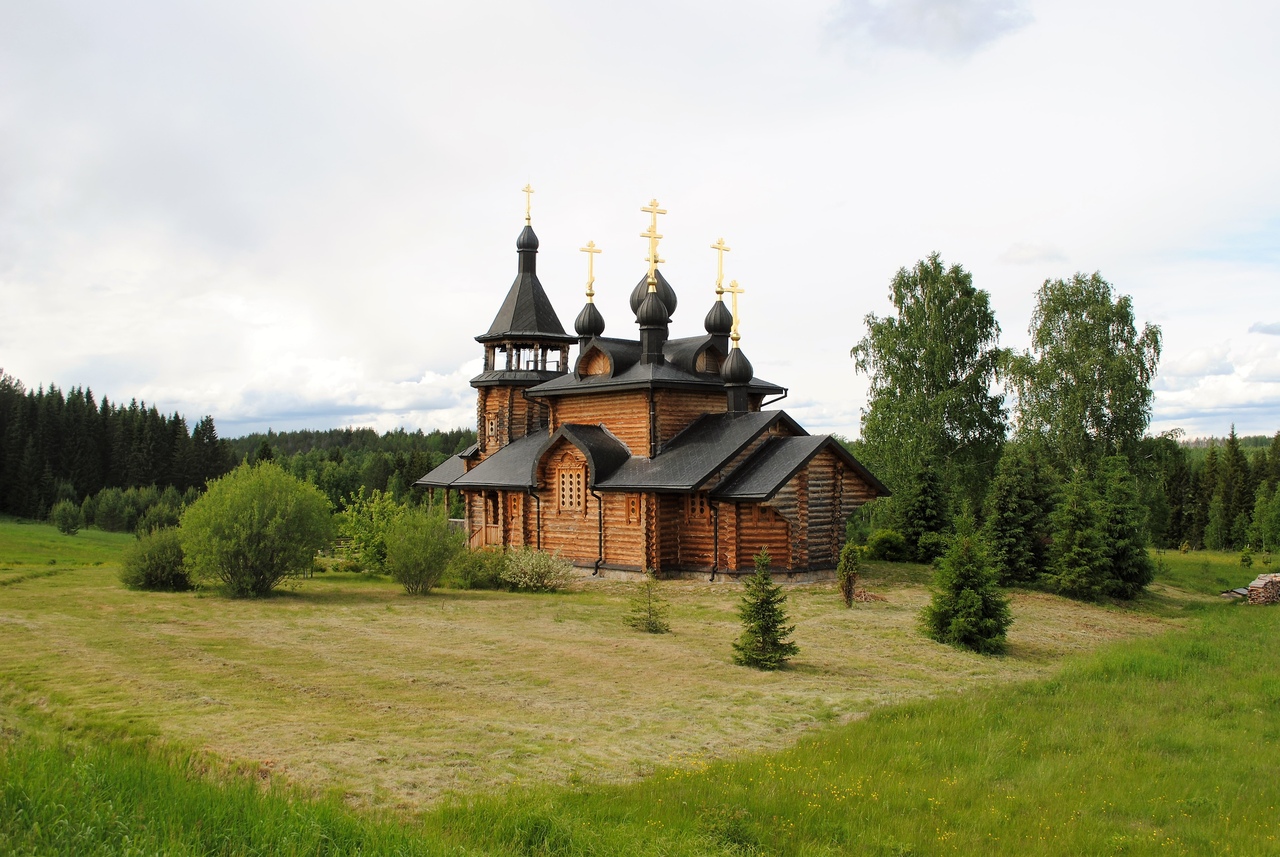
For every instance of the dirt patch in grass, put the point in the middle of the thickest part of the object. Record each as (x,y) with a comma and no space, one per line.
(346,683)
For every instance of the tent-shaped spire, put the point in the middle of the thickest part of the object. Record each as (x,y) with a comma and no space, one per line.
(527,313)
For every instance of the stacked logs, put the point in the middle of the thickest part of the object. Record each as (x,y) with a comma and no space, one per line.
(1265,590)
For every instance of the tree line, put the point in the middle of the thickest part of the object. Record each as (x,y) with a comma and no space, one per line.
(1044,451)
(127,465)
(67,446)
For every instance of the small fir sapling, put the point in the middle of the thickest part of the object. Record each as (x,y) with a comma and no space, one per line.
(764,642)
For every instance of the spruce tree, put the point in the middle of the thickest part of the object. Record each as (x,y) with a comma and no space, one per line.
(764,642)
(1124,534)
(1017,516)
(921,511)
(1078,563)
(968,607)
(648,609)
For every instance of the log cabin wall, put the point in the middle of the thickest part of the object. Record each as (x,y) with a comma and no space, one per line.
(503,415)
(827,514)
(624,537)
(792,503)
(626,415)
(676,409)
(695,536)
(759,526)
(670,510)
(570,519)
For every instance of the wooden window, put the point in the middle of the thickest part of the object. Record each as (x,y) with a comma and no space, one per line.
(571,480)
(633,508)
(696,506)
(513,505)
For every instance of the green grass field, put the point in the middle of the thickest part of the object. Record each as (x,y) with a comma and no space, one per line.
(345,717)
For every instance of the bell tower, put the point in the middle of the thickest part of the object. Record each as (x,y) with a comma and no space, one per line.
(525,346)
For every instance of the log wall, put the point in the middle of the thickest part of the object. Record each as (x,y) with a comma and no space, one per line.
(503,414)
(624,414)
(676,409)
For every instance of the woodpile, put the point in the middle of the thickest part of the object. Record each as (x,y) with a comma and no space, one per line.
(1265,590)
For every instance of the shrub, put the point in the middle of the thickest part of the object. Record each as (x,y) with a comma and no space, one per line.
(366,520)
(420,546)
(764,642)
(113,512)
(66,517)
(649,609)
(931,546)
(159,517)
(480,569)
(255,527)
(847,571)
(968,608)
(155,561)
(887,545)
(1246,556)
(536,571)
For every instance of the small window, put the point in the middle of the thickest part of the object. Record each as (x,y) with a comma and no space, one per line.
(696,507)
(513,505)
(571,488)
(633,508)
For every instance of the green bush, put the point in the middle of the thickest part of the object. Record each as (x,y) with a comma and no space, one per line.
(66,516)
(847,571)
(420,546)
(479,569)
(887,546)
(113,512)
(159,517)
(536,571)
(931,546)
(155,561)
(255,527)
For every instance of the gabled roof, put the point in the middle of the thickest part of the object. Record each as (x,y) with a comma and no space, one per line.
(778,460)
(693,456)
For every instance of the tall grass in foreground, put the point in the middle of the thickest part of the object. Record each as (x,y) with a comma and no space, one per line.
(1165,745)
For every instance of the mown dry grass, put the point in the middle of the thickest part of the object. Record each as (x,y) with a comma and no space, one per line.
(346,683)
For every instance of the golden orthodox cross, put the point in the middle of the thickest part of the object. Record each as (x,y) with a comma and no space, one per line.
(653,236)
(591,250)
(735,290)
(528,198)
(720,249)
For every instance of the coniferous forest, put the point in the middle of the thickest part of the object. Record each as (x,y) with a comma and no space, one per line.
(120,462)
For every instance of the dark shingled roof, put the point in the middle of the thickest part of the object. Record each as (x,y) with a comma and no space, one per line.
(692,457)
(629,373)
(779,459)
(443,476)
(527,312)
(513,466)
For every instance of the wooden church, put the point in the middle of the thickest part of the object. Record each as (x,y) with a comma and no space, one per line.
(653,452)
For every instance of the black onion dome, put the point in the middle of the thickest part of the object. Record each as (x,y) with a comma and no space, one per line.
(527,240)
(652,312)
(589,322)
(665,293)
(737,368)
(719,320)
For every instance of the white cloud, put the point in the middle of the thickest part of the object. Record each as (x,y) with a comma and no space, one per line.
(1272,328)
(943,27)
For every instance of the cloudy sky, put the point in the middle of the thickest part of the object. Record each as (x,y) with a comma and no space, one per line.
(298,214)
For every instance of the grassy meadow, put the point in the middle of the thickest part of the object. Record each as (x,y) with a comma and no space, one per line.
(344,716)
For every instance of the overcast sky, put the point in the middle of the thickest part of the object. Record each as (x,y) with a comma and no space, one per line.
(299,215)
